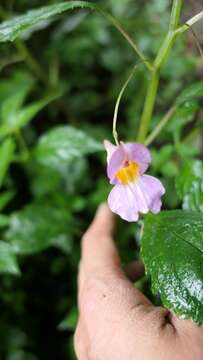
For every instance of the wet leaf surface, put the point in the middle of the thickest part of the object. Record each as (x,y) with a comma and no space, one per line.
(189,185)
(172,250)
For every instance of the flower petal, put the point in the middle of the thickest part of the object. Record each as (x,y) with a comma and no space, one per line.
(141,196)
(115,163)
(140,154)
(152,189)
(122,202)
(110,148)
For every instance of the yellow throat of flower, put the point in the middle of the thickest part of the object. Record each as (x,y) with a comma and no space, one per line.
(128,173)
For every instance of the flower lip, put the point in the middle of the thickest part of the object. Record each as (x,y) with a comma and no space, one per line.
(134,192)
(121,155)
(129,172)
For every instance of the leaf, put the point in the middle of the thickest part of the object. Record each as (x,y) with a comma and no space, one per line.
(8,261)
(47,181)
(13,92)
(5,198)
(186,107)
(6,156)
(11,29)
(172,250)
(14,120)
(70,322)
(161,157)
(192,92)
(183,115)
(62,144)
(4,220)
(189,185)
(14,101)
(38,227)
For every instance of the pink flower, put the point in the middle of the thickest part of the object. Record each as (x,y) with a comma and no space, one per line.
(133,192)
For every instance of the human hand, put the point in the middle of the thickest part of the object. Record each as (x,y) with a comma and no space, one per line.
(117,322)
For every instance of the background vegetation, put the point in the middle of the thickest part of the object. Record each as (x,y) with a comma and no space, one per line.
(66,72)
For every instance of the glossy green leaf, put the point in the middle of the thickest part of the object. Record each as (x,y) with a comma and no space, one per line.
(10,29)
(172,250)
(62,144)
(38,227)
(8,261)
(189,185)
(7,149)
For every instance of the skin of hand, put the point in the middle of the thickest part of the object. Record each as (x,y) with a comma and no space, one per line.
(117,322)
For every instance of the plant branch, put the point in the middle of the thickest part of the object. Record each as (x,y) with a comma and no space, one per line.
(189,23)
(22,144)
(158,63)
(31,62)
(148,105)
(160,126)
(119,27)
(175,15)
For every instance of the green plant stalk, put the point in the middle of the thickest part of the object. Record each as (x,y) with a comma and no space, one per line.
(175,14)
(31,62)
(160,125)
(148,105)
(118,26)
(189,23)
(25,154)
(154,78)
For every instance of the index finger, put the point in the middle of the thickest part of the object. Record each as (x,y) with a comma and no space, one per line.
(98,249)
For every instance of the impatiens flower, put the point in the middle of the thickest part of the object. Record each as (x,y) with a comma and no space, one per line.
(133,192)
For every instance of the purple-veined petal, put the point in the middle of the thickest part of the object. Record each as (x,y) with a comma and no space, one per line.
(139,154)
(110,149)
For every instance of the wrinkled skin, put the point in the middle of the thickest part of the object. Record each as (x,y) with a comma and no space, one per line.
(117,322)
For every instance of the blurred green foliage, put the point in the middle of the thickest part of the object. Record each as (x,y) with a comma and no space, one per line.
(58,87)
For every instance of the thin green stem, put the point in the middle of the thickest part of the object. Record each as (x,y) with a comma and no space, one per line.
(165,50)
(189,23)
(115,134)
(120,28)
(30,60)
(9,61)
(160,126)
(175,15)
(158,63)
(25,154)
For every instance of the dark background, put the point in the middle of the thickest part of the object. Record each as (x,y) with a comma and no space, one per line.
(83,56)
